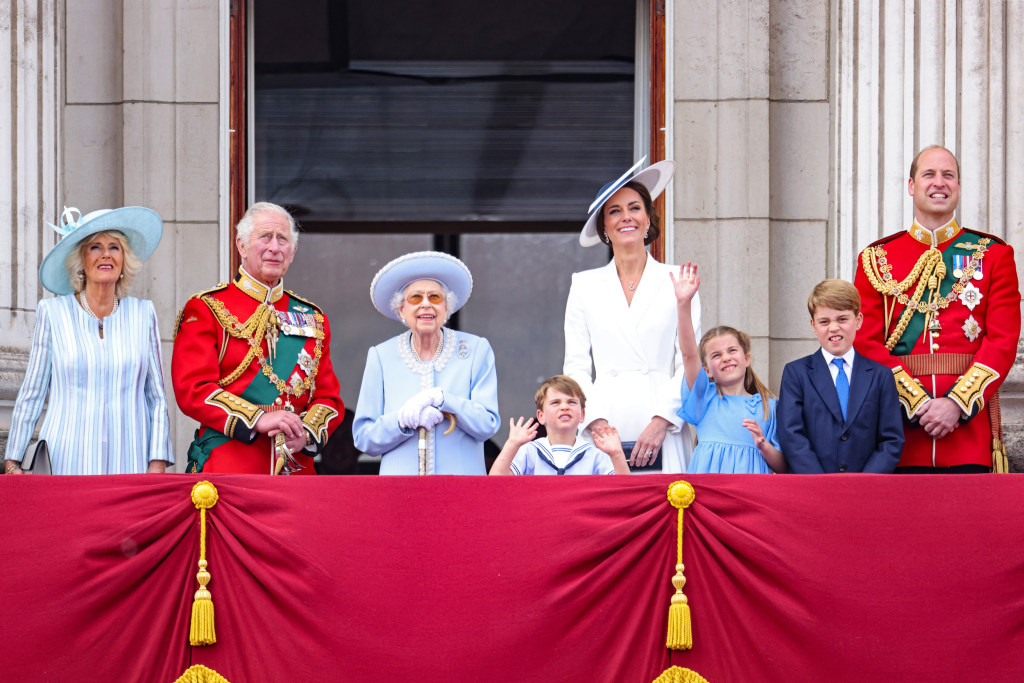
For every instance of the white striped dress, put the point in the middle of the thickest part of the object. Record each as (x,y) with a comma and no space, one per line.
(107,411)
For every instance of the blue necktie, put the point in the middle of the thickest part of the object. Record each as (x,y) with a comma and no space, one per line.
(842,385)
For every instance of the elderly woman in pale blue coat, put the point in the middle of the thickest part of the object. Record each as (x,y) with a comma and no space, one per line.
(95,358)
(429,397)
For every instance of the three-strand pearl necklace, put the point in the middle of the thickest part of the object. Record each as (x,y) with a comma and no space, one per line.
(85,304)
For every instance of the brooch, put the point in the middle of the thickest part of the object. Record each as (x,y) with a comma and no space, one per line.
(463,349)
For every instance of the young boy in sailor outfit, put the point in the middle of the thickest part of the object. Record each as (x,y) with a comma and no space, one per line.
(560,406)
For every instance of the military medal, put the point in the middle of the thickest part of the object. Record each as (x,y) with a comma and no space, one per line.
(959,263)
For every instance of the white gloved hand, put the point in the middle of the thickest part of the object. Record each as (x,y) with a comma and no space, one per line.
(430,417)
(409,413)
(436,396)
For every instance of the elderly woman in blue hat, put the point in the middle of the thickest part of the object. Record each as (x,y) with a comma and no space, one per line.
(621,321)
(96,353)
(429,397)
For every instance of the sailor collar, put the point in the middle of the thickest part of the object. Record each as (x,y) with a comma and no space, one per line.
(934,239)
(256,289)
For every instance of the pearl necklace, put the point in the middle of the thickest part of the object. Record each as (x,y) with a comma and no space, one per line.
(416,352)
(85,304)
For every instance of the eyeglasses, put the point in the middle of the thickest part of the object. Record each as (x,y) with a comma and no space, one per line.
(434,297)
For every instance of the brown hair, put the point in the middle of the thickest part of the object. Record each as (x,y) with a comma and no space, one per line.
(645,196)
(836,294)
(752,384)
(913,164)
(563,383)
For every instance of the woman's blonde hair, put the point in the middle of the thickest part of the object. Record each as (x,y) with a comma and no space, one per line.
(752,384)
(130,264)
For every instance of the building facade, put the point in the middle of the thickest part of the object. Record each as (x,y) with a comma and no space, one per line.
(793,123)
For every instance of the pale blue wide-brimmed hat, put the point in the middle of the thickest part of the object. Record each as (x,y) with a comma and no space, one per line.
(655,177)
(141,226)
(420,265)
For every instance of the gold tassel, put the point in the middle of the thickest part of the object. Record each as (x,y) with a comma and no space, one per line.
(197,673)
(201,631)
(677,674)
(1000,465)
(680,633)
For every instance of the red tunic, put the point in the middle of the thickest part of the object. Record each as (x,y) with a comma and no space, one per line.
(986,334)
(205,352)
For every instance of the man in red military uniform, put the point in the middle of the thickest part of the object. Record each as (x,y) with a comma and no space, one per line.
(252,362)
(942,309)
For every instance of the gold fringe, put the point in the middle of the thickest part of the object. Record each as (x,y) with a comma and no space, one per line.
(197,673)
(680,633)
(677,674)
(201,630)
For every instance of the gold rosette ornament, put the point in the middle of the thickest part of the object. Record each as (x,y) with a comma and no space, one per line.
(680,633)
(201,631)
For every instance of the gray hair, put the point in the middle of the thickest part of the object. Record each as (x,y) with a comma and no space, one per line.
(245,226)
(398,298)
(130,263)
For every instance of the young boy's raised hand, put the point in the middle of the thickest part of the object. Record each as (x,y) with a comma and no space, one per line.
(522,432)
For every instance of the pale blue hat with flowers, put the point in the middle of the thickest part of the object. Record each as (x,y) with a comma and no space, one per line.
(142,227)
(655,177)
(420,265)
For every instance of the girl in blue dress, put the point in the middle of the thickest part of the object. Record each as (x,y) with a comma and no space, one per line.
(733,411)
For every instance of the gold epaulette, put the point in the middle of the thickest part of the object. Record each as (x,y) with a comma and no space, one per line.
(197,295)
(968,392)
(911,392)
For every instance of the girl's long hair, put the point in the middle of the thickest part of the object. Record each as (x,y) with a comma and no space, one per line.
(752,384)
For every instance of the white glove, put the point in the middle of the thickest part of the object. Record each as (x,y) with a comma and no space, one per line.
(430,417)
(409,414)
(436,397)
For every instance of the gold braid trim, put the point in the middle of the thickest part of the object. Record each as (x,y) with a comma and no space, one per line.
(236,408)
(316,420)
(911,392)
(929,271)
(252,331)
(969,389)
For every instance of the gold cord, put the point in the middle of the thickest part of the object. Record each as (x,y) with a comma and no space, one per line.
(253,331)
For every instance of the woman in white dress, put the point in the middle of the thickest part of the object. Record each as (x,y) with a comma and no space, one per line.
(95,356)
(621,341)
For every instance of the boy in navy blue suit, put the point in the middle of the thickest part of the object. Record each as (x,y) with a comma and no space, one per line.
(838,411)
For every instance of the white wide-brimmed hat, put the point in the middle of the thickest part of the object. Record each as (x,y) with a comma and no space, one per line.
(420,265)
(655,177)
(141,226)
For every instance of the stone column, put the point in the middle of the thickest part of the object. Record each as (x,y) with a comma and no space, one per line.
(30,152)
(721,126)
